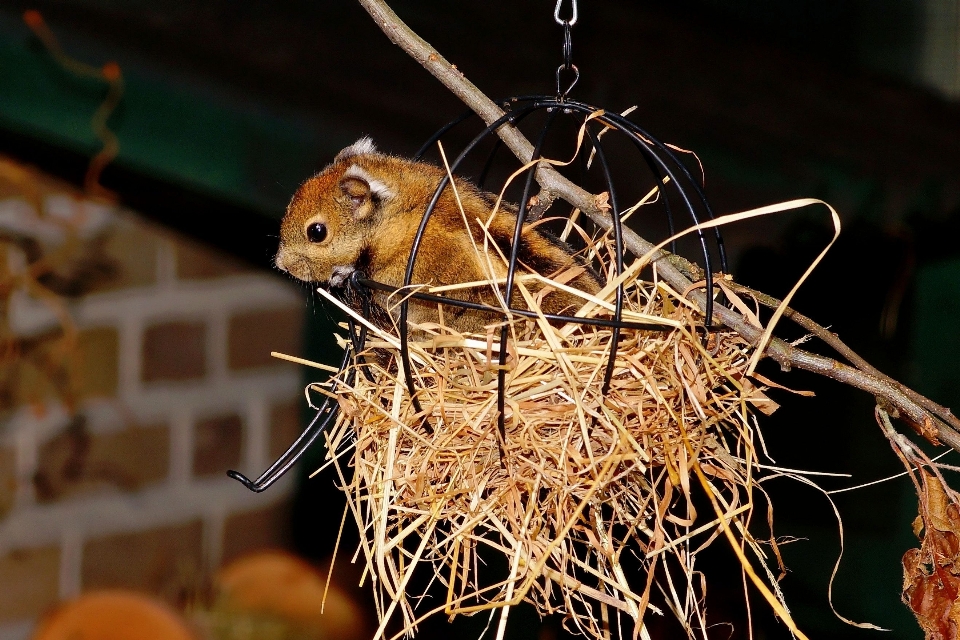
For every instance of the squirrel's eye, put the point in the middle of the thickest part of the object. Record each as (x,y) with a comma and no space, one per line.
(317,232)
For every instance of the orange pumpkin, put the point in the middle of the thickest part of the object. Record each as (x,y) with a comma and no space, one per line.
(282,585)
(113,615)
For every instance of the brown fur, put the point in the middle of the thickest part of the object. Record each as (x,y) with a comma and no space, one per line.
(372,205)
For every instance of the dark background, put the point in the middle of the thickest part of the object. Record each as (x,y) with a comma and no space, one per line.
(229,105)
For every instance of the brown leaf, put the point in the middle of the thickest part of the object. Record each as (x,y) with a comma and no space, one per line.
(602,200)
(941,509)
(931,586)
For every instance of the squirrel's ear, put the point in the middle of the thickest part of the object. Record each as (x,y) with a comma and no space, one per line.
(357,192)
(362,147)
(363,192)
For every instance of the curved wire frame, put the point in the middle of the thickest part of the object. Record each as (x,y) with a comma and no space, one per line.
(679,192)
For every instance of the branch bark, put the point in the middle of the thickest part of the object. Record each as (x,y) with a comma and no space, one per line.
(934,422)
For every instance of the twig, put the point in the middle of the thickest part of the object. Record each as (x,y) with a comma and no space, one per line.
(834,341)
(895,398)
(827,336)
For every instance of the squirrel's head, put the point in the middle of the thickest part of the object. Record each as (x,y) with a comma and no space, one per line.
(331,218)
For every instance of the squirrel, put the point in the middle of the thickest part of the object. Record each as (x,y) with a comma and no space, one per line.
(361,213)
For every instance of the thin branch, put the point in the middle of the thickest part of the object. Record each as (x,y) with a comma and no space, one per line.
(827,336)
(894,397)
(834,341)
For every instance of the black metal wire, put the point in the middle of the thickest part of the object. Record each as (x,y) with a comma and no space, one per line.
(512,272)
(432,140)
(482,178)
(618,258)
(418,239)
(644,140)
(639,139)
(327,411)
(718,235)
(526,313)
(660,160)
(358,336)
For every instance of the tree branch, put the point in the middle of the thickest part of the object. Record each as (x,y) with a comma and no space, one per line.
(834,341)
(934,422)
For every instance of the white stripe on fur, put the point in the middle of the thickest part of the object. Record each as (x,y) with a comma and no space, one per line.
(377,188)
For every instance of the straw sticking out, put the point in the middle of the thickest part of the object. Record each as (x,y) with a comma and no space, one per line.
(587,494)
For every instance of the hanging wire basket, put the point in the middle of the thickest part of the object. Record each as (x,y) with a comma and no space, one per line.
(676,191)
(563,452)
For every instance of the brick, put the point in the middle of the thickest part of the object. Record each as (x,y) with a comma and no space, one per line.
(77,462)
(285,426)
(196,261)
(174,351)
(253,335)
(8,479)
(40,373)
(30,579)
(131,246)
(267,528)
(97,362)
(217,443)
(166,561)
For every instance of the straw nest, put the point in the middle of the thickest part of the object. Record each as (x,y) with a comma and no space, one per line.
(586,496)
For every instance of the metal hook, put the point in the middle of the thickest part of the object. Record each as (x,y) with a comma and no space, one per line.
(561,95)
(573,17)
(324,417)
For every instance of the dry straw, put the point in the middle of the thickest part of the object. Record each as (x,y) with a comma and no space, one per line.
(585,505)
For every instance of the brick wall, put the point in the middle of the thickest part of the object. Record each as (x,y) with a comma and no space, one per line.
(118,423)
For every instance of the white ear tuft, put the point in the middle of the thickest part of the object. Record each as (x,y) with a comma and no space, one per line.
(363,146)
(377,188)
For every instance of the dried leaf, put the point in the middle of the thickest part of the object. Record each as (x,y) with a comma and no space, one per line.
(602,200)
(931,574)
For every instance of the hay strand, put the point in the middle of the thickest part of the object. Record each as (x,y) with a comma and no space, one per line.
(588,498)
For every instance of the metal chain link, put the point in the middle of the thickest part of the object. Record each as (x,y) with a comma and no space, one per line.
(573,14)
(567,65)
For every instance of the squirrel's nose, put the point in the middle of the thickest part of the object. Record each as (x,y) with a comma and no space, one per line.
(281,259)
